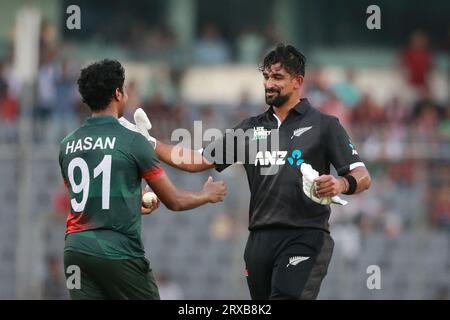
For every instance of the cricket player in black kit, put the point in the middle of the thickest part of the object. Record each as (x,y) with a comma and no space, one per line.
(289,247)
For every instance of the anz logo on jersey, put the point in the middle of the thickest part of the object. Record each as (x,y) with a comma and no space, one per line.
(265,158)
(352,147)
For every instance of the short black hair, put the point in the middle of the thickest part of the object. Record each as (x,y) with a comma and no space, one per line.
(290,58)
(98,82)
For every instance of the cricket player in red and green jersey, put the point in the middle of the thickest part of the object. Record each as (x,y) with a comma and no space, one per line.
(102,164)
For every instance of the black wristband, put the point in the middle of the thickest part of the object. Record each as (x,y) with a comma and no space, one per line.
(352,184)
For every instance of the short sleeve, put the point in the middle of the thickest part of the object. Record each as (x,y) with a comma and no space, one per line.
(146,159)
(341,151)
(60,161)
(227,150)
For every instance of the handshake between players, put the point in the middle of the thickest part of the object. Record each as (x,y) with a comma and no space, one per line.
(322,189)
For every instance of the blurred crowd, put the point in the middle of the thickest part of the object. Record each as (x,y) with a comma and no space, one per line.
(405,145)
(404,139)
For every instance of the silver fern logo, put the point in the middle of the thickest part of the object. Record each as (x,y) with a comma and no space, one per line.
(293,261)
(298,132)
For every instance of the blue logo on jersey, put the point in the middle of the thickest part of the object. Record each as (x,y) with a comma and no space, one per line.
(353,148)
(296,158)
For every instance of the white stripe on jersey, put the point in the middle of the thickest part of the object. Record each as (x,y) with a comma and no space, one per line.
(356,165)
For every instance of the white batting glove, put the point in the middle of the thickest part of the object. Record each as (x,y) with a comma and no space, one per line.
(142,125)
(309,187)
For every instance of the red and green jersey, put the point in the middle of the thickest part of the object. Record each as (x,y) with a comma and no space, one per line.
(102,164)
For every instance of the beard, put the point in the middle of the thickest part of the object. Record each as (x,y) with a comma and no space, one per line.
(277,100)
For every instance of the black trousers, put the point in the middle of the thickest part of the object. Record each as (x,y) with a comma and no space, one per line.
(287,263)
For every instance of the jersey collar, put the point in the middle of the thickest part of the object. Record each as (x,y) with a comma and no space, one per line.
(301,107)
(101,120)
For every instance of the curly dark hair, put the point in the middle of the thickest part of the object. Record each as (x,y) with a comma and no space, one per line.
(289,57)
(98,82)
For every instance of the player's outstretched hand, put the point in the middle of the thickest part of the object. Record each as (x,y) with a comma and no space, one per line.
(215,190)
(142,125)
(155,204)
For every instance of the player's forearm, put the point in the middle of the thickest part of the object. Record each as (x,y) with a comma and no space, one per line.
(186,200)
(182,158)
(362,177)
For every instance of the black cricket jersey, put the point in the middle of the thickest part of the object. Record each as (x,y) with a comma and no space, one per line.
(273,170)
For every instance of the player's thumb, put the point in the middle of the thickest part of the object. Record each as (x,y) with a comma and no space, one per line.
(319,179)
(210,179)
